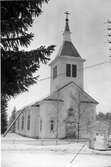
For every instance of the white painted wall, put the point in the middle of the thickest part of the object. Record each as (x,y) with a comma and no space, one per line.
(49,110)
(68,94)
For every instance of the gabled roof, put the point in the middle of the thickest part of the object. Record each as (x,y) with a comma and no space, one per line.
(84,96)
(68,49)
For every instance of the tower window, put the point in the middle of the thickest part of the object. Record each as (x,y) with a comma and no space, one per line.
(22,127)
(28,123)
(71,70)
(68,70)
(74,70)
(52,125)
(54,72)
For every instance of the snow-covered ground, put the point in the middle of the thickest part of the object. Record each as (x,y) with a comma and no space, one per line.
(20,151)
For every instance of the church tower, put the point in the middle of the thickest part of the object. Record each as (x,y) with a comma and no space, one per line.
(68,64)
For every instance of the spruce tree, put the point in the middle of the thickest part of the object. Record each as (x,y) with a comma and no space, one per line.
(17,65)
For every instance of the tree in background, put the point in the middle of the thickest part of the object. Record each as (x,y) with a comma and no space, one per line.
(18,66)
(104,116)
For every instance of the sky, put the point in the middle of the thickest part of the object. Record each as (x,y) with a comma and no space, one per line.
(88,24)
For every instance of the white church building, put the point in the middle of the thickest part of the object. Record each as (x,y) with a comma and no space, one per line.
(69,112)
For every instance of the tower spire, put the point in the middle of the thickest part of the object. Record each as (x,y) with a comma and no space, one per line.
(66,34)
(67,24)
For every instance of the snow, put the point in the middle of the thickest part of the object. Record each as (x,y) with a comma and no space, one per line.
(46,159)
(20,151)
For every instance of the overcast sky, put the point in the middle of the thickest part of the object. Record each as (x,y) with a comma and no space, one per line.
(88,24)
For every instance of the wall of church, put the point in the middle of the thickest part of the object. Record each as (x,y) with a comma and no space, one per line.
(49,111)
(69,112)
(54,82)
(87,120)
(74,112)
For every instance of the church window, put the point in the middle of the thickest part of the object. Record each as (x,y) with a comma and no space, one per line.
(18,123)
(54,72)
(28,123)
(74,70)
(68,70)
(40,125)
(22,127)
(52,125)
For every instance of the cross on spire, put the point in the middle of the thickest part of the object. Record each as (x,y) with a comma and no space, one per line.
(67,13)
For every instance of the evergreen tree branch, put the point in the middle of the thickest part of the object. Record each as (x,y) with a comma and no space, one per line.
(22,65)
(15,42)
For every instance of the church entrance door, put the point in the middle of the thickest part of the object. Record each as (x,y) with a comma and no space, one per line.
(70,130)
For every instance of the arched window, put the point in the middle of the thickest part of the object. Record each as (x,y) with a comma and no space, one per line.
(22,127)
(28,122)
(52,125)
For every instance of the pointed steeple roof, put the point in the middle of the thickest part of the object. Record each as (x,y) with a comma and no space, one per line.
(68,48)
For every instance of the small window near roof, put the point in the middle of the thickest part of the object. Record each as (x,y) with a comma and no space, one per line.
(54,72)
